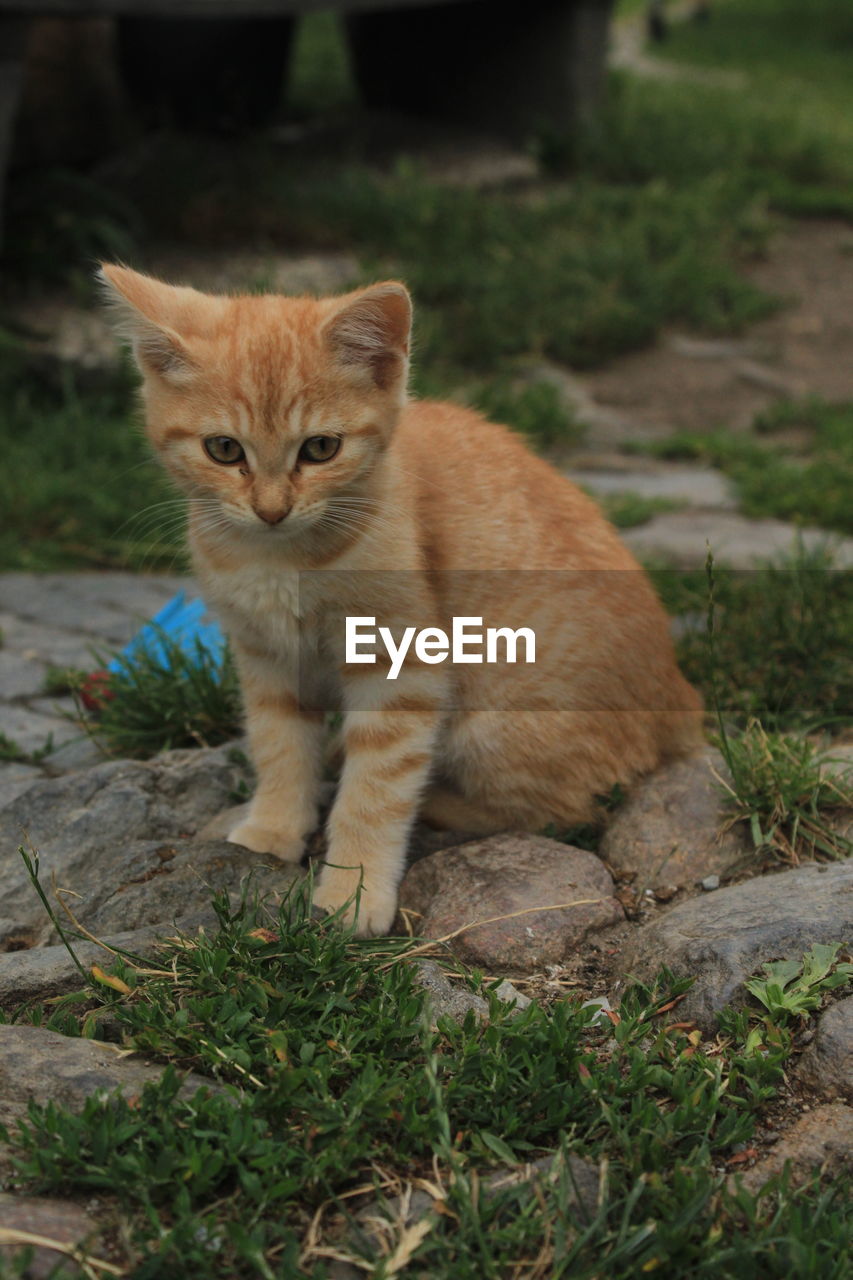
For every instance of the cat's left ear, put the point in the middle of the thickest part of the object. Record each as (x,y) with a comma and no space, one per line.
(147,312)
(370,333)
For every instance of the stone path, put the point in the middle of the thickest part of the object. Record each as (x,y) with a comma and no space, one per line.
(60,620)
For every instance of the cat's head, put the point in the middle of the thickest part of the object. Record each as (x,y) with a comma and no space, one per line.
(268,410)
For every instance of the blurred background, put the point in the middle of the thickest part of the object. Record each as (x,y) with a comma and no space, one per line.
(628,232)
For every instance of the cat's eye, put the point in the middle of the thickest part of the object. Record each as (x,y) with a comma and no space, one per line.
(319,448)
(223,449)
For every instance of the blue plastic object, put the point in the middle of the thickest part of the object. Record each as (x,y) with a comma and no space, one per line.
(183,620)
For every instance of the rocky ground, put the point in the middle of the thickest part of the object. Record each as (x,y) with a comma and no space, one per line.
(127,842)
(127,838)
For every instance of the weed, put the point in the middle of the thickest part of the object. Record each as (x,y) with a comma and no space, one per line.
(328,1088)
(62,680)
(13,752)
(627,510)
(778,783)
(782,790)
(173,698)
(790,989)
(781,640)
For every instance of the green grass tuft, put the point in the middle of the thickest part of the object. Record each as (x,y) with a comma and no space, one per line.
(809,479)
(337,1087)
(157,702)
(784,792)
(781,644)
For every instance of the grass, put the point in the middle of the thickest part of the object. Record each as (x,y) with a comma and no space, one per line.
(627,510)
(536,410)
(784,789)
(644,220)
(791,989)
(781,644)
(808,480)
(340,1095)
(169,699)
(76,468)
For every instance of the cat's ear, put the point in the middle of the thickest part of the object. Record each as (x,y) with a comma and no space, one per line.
(145,311)
(369,334)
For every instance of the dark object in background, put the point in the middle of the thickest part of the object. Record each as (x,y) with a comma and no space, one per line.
(503,67)
(213,74)
(70,110)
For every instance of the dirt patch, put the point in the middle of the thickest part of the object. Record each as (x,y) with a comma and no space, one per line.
(804,349)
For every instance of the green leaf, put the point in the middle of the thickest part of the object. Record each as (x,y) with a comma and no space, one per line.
(499,1147)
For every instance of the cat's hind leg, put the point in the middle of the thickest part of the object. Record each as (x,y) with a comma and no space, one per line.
(448,810)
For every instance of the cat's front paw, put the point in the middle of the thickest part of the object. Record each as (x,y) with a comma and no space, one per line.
(338,890)
(251,835)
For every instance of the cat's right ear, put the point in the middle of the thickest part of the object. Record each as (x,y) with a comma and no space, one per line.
(369,333)
(144,311)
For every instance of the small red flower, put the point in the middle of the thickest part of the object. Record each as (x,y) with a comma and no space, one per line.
(95,690)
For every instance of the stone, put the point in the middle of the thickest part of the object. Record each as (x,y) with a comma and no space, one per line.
(508,994)
(710,883)
(43,1066)
(47,645)
(682,538)
(52,1219)
(670,830)
(121,836)
(827,1064)
(35,973)
(723,938)
(698,486)
(15,779)
(459,891)
(35,732)
(706,348)
(20,676)
(821,1141)
(108,607)
(448,999)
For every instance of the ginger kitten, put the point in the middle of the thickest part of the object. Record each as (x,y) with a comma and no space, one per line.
(318,492)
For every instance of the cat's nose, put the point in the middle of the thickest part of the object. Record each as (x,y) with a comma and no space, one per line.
(272,515)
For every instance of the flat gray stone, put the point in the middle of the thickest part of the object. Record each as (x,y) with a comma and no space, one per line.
(448,999)
(707,348)
(20,676)
(827,1064)
(699,486)
(821,1141)
(15,779)
(31,730)
(120,835)
(723,938)
(81,752)
(107,605)
(51,1219)
(48,645)
(670,830)
(43,1066)
(681,538)
(513,902)
(37,973)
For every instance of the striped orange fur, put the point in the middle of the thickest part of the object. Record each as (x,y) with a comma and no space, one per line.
(335,495)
